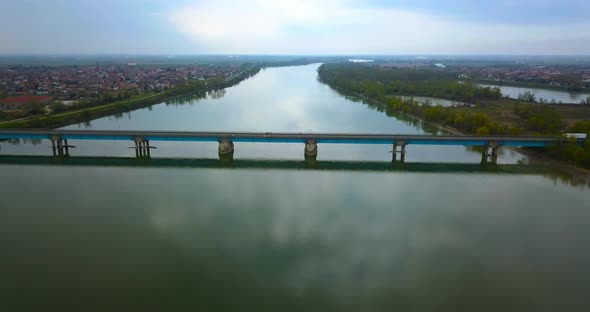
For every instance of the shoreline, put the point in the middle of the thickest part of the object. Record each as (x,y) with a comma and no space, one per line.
(66,118)
(557,162)
(530,154)
(438,125)
(53,121)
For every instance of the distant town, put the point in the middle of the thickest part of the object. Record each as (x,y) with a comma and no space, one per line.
(574,78)
(31,87)
(74,83)
(571,77)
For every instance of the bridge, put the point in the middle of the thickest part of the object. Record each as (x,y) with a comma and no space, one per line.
(490,144)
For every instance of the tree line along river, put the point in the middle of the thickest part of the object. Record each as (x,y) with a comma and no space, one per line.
(144,237)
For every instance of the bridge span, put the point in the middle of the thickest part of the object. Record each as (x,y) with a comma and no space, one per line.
(142,139)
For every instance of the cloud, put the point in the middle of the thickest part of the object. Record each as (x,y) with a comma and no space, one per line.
(296,26)
(233,24)
(346,27)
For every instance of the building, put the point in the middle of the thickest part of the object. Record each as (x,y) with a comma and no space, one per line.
(20,103)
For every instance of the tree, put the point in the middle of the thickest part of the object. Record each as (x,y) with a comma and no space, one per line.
(581,127)
(58,107)
(496,92)
(527,97)
(586,101)
(85,115)
(483,130)
(35,107)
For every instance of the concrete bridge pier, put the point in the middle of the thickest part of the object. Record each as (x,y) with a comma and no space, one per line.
(146,148)
(311,149)
(226,149)
(495,150)
(490,153)
(485,154)
(402,156)
(142,148)
(401,151)
(59,146)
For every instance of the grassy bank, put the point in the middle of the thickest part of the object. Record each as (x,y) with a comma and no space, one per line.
(81,115)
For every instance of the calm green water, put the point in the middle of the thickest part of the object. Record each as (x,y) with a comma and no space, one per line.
(88,236)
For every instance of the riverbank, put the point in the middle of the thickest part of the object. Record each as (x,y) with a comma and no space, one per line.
(488,116)
(56,120)
(71,117)
(575,175)
(440,126)
(567,171)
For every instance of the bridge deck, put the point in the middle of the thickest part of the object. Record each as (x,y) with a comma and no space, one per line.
(282,137)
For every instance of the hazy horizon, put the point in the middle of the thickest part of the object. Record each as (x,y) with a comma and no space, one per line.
(295,27)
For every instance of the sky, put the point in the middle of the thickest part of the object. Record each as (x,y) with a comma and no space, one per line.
(295,27)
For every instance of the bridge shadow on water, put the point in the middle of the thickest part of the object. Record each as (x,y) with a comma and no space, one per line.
(271,164)
(557,174)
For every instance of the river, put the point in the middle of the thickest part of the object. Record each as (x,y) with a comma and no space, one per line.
(547,94)
(138,237)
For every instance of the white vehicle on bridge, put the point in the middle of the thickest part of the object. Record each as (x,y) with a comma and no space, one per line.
(574,135)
